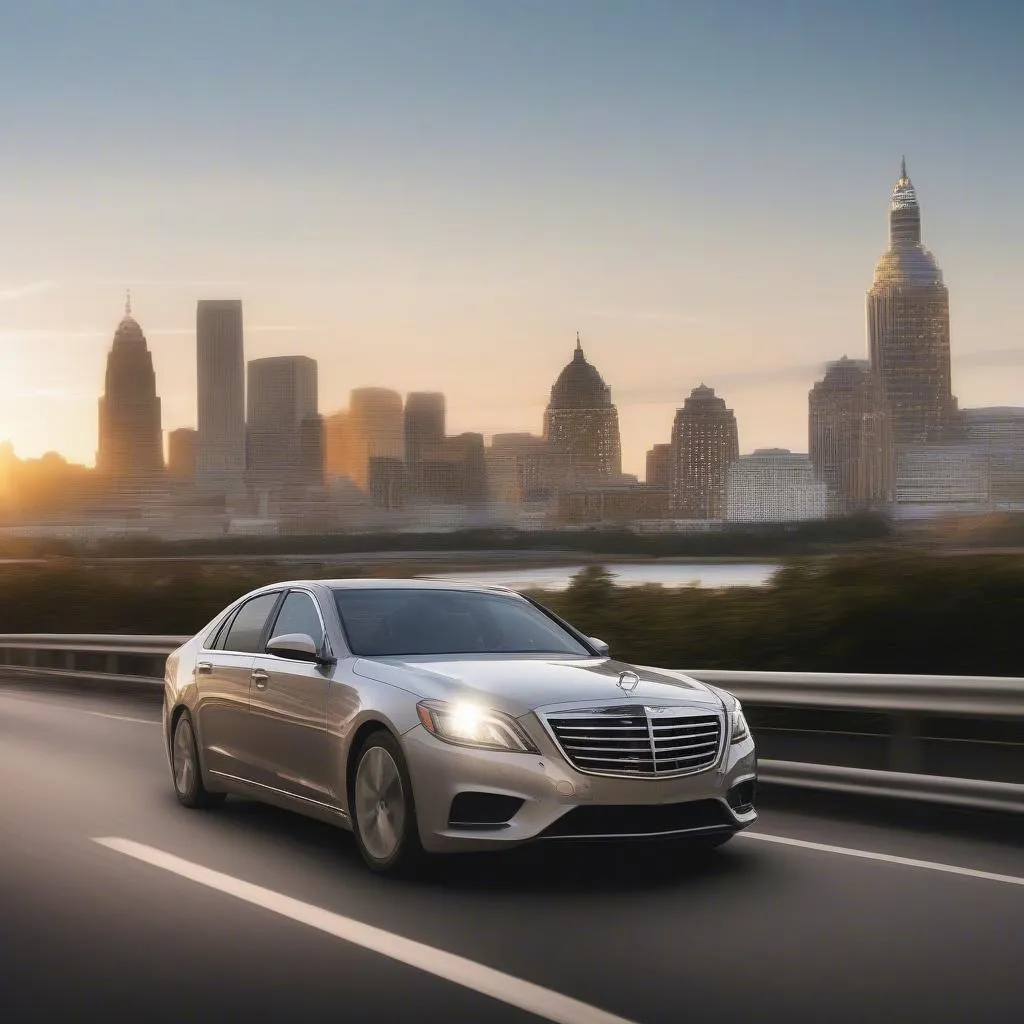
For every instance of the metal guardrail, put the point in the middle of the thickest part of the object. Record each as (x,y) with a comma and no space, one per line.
(985,696)
(818,717)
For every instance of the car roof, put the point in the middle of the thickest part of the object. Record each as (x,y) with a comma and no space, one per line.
(397,583)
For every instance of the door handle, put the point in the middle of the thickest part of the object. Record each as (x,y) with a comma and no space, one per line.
(204,666)
(260,678)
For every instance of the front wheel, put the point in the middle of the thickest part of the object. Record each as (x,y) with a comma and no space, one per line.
(383,811)
(185,770)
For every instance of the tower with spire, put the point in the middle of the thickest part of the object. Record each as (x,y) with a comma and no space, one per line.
(908,329)
(130,439)
(582,424)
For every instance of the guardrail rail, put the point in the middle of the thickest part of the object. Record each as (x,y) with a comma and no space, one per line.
(951,740)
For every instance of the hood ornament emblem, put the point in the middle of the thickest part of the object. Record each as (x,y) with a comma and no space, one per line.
(628,681)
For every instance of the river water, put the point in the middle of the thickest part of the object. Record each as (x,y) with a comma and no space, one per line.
(628,574)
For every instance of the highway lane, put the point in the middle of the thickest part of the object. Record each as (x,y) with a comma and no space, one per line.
(761,931)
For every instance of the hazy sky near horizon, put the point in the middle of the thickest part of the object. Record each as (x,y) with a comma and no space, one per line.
(439,194)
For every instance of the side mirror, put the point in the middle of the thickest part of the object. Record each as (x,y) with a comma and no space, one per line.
(599,645)
(297,646)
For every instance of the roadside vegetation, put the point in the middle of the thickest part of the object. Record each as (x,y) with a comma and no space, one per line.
(885,613)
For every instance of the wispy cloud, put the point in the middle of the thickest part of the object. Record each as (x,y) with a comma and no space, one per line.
(794,373)
(24,290)
(19,336)
(23,334)
(992,357)
(666,315)
(161,332)
(46,394)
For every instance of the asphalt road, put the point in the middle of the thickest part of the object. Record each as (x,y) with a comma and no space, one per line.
(250,914)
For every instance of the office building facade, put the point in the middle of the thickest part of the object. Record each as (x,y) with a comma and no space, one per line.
(220,394)
(131,446)
(581,422)
(774,485)
(908,330)
(281,418)
(705,442)
(182,447)
(847,434)
(996,434)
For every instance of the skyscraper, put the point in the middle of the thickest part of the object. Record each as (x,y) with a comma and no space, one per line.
(374,429)
(181,454)
(220,376)
(581,422)
(424,425)
(908,329)
(659,466)
(282,408)
(705,441)
(130,440)
(846,430)
(424,433)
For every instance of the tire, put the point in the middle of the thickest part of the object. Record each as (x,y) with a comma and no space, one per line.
(383,812)
(186,773)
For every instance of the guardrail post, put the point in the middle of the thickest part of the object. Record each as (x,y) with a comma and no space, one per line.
(69,660)
(111,664)
(905,744)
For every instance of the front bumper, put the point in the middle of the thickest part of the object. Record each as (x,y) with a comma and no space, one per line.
(551,790)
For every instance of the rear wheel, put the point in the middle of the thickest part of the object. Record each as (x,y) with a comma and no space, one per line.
(383,811)
(185,770)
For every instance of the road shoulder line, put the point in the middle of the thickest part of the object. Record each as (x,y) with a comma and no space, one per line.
(888,858)
(524,995)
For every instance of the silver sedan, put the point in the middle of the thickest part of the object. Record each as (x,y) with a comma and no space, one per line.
(430,717)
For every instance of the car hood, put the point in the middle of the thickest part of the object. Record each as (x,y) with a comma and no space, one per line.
(518,685)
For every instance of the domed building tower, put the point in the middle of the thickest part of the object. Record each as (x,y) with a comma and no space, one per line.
(581,423)
(130,439)
(908,329)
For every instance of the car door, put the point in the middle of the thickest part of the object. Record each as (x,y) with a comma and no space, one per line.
(288,705)
(224,678)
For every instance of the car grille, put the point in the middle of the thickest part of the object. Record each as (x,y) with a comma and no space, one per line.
(638,740)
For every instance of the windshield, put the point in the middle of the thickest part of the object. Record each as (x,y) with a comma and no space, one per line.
(390,623)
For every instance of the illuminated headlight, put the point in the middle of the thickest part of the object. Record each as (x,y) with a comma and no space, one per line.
(468,725)
(738,724)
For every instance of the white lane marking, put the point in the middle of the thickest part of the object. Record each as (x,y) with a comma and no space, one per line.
(888,858)
(524,995)
(123,718)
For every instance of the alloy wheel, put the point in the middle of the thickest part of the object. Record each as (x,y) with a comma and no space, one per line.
(184,758)
(379,803)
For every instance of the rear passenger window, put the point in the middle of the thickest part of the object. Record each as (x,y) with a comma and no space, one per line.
(246,631)
(215,640)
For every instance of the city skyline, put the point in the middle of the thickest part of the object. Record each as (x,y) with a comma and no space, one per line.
(659,181)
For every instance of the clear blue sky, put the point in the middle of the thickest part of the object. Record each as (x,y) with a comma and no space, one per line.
(439,194)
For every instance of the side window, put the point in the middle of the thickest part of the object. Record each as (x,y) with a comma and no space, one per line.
(246,631)
(215,640)
(298,615)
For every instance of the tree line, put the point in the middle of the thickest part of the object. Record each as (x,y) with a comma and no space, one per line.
(883,613)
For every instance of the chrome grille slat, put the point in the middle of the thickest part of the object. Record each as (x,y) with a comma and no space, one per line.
(609,728)
(697,723)
(662,737)
(604,750)
(620,741)
(695,746)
